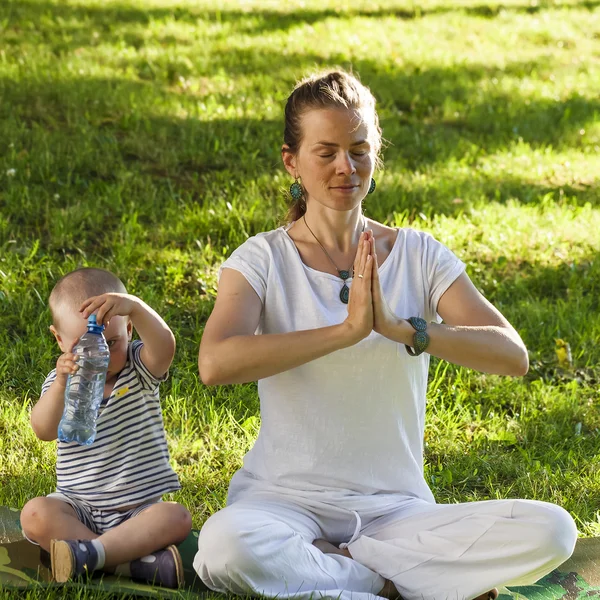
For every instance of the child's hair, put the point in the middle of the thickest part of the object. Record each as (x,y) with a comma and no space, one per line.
(79,285)
(333,89)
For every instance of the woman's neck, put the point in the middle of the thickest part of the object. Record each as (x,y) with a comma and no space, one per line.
(338,230)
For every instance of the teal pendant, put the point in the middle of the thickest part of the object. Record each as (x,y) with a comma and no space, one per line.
(345,293)
(344,274)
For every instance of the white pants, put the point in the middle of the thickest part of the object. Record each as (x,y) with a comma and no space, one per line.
(262,544)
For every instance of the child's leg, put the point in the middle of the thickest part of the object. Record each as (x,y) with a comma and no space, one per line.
(135,547)
(157,526)
(44,519)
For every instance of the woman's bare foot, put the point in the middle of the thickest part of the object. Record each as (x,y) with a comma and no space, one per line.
(389,589)
(491,595)
(328,548)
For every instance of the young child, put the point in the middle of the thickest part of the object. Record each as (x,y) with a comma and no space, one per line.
(107,513)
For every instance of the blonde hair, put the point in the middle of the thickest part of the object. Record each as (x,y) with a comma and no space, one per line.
(79,285)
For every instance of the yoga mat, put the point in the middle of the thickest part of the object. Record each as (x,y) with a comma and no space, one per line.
(20,567)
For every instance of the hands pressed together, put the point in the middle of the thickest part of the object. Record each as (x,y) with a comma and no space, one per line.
(368,309)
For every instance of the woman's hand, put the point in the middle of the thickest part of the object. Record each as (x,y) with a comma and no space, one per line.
(360,304)
(384,320)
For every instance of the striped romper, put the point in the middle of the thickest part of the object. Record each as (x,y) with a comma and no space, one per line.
(127,467)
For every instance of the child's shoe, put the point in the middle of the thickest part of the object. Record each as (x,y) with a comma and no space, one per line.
(163,567)
(71,558)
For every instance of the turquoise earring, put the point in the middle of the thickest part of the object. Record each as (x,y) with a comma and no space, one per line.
(372,186)
(296,191)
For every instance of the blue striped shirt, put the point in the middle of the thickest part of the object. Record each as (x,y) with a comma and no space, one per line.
(128,463)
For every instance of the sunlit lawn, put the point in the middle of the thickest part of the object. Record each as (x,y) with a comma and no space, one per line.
(144,137)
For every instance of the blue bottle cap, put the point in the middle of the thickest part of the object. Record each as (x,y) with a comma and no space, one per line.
(93,326)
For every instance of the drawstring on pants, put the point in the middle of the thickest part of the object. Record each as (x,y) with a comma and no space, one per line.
(356,531)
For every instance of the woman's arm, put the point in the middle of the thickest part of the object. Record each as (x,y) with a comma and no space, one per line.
(231,353)
(474,333)
(485,340)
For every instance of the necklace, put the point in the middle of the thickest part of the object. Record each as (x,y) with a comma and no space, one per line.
(344,275)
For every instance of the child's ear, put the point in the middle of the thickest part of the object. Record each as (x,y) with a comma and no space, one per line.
(129,330)
(56,336)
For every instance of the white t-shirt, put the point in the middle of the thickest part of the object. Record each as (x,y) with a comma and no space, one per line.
(353,420)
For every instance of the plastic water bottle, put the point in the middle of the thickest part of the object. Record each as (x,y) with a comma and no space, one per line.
(85,388)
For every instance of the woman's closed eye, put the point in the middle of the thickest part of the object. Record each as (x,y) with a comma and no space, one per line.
(353,152)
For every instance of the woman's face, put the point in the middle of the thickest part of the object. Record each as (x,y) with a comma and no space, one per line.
(335,159)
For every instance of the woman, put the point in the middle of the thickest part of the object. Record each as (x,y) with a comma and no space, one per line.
(332,499)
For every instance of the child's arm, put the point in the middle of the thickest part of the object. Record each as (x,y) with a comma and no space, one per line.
(159,341)
(48,410)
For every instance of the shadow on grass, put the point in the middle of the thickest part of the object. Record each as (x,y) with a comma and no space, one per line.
(454,193)
(412,108)
(255,21)
(530,468)
(430,115)
(427,110)
(528,440)
(97,156)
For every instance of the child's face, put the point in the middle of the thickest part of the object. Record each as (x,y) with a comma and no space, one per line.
(118,333)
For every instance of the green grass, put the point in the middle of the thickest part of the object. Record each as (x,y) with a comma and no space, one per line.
(144,137)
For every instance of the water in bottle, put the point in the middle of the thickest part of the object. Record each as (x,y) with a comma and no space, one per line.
(85,388)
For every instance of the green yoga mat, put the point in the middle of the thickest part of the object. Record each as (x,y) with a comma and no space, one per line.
(20,567)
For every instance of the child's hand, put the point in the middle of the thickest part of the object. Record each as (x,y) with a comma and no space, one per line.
(66,365)
(107,306)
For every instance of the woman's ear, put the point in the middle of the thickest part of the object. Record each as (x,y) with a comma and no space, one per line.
(289,160)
